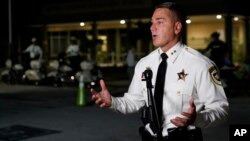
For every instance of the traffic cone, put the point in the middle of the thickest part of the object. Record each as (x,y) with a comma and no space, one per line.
(81,99)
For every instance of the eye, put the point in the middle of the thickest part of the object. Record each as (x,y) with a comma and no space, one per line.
(159,22)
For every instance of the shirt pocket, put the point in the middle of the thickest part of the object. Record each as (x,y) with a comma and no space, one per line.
(186,94)
(177,96)
(172,102)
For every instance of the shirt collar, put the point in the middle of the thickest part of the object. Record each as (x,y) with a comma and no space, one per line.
(173,52)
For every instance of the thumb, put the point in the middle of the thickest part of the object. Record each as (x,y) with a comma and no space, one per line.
(191,103)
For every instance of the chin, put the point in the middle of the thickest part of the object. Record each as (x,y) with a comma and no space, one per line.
(156,45)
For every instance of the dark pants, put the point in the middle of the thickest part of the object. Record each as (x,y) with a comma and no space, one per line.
(75,63)
(175,134)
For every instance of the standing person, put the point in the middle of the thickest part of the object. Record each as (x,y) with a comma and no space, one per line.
(193,95)
(33,52)
(131,62)
(72,53)
(218,50)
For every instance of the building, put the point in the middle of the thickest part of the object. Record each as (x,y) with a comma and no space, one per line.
(106,29)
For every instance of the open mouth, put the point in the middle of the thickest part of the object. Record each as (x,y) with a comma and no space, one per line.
(154,36)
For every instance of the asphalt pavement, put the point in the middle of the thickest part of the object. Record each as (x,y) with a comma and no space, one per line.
(52,108)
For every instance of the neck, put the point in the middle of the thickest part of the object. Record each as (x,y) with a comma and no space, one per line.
(169,46)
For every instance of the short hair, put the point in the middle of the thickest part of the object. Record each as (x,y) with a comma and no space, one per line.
(215,35)
(178,10)
(175,8)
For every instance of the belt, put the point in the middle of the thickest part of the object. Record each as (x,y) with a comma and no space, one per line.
(174,134)
(165,138)
(184,134)
(175,130)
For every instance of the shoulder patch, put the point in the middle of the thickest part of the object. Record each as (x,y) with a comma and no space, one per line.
(215,75)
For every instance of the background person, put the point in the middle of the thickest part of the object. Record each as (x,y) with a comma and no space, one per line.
(193,94)
(218,50)
(32,52)
(131,62)
(73,54)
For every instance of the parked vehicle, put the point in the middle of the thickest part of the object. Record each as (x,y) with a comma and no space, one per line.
(34,75)
(12,73)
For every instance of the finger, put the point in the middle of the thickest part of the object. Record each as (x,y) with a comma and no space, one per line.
(93,92)
(94,97)
(192,107)
(98,101)
(191,102)
(181,119)
(103,105)
(188,118)
(102,83)
(178,122)
(187,115)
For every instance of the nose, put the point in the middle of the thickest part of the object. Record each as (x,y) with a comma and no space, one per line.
(152,27)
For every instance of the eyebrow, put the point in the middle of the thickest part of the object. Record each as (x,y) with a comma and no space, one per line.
(160,18)
(157,19)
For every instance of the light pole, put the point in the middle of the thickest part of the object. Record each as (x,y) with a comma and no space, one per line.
(10,28)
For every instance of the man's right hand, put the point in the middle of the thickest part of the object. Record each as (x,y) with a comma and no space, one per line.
(102,98)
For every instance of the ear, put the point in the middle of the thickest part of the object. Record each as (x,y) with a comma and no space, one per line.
(178,27)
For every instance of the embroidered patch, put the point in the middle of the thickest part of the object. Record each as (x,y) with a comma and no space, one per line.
(215,75)
(182,75)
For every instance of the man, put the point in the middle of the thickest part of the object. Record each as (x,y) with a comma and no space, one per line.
(193,96)
(218,50)
(73,54)
(131,62)
(33,52)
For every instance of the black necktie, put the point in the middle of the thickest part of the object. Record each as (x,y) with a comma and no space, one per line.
(159,86)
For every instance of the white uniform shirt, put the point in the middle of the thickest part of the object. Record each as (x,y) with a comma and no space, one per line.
(189,74)
(34,50)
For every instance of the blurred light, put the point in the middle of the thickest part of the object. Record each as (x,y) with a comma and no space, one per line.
(218,16)
(82,23)
(188,21)
(72,78)
(122,21)
(236,18)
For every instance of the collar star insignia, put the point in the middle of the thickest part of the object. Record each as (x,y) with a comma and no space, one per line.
(182,75)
